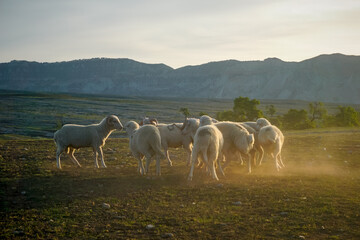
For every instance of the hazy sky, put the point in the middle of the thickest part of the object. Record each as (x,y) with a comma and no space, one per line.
(177,32)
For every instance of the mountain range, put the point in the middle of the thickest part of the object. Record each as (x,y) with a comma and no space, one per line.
(326,78)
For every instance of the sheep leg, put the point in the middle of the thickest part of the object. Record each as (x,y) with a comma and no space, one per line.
(100,151)
(219,160)
(188,150)
(278,155)
(147,163)
(249,163)
(141,165)
(158,167)
(211,164)
(261,152)
(194,156)
(277,165)
(72,157)
(59,150)
(167,156)
(95,158)
(280,159)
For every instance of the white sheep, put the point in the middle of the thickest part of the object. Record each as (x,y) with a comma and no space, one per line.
(272,140)
(71,137)
(236,139)
(145,141)
(208,142)
(171,136)
(243,142)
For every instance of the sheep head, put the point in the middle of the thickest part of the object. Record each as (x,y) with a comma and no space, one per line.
(262,122)
(147,120)
(113,122)
(190,126)
(130,127)
(206,120)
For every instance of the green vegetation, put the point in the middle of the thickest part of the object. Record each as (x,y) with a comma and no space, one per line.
(245,109)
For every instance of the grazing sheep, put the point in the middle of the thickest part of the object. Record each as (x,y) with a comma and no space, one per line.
(208,141)
(272,140)
(71,137)
(144,141)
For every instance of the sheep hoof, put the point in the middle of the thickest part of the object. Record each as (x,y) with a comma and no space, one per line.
(189,179)
(170,164)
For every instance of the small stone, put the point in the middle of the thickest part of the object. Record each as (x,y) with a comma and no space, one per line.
(284,213)
(301,237)
(220,185)
(238,203)
(106,205)
(18,232)
(150,226)
(167,235)
(23,192)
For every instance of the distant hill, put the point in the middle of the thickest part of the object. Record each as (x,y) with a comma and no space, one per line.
(327,78)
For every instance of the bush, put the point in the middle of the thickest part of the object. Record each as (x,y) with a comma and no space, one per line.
(297,119)
(347,117)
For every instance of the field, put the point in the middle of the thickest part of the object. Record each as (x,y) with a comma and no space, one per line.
(316,196)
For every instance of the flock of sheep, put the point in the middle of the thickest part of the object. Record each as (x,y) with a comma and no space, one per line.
(207,141)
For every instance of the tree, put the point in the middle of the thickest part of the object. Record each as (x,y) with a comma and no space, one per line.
(347,117)
(246,109)
(270,110)
(317,111)
(202,114)
(185,111)
(226,115)
(297,119)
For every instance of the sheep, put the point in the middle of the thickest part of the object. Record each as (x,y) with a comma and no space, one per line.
(144,141)
(171,136)
(272,140)
(236,138)
(147,120)
(71,137)
(208,141)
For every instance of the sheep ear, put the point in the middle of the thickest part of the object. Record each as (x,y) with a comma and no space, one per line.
(109,120)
